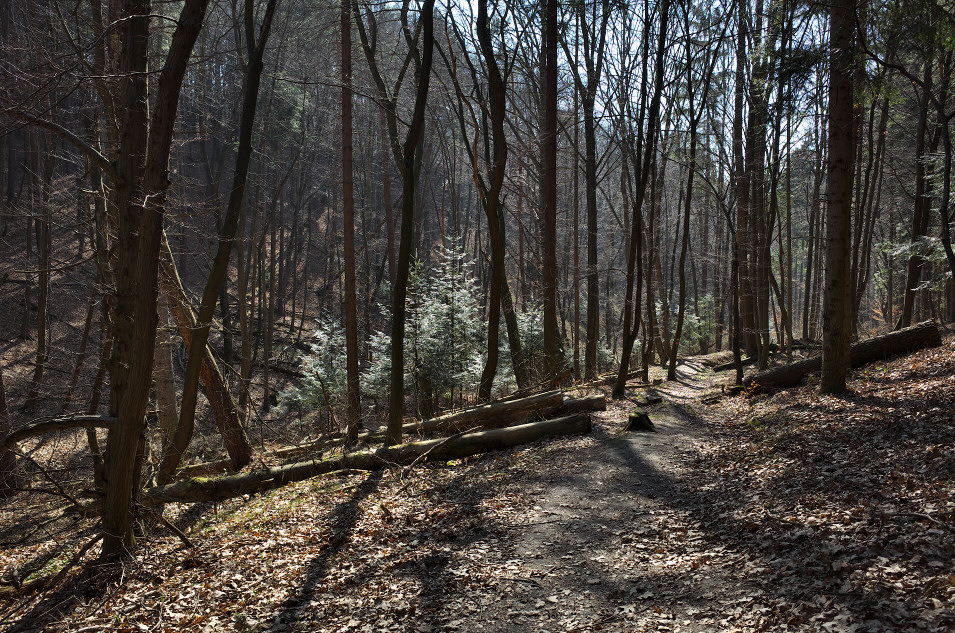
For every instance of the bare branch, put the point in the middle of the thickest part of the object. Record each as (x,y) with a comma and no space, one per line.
(91,152)
(58,424)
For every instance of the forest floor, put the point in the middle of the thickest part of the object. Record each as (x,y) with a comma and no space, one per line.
(793,512)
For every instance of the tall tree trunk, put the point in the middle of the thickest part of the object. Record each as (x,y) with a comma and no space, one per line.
(410,167)
(500,295)
(741,177)
(8,462)
(576,207)
(548,185)
(44,244)
(920,218)
(837,311)
(138,201)
(353,415)
(200,335)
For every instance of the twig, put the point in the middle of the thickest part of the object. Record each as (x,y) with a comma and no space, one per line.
(182,535)
(923,517)
(62,492)
(529,581)
(407,469)
(75,559)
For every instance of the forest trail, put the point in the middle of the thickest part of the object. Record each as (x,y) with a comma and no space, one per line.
(796,512)
(615,541)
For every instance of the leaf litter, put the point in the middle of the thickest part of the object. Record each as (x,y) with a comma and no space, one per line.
(794,512)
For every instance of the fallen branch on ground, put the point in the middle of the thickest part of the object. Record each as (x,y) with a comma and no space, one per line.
(197,489)
(494,415)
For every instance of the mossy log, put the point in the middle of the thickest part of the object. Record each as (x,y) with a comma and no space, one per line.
(198,489)
(904,341)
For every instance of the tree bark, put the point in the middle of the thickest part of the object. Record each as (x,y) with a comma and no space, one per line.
(142,170)
(548,186)
(837,311)
(8,462)
(353,409)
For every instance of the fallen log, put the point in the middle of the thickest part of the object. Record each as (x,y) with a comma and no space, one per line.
(751,360)
(501,413)
(609,379)
(583,405)
(197,489)
(450,423)
(904,341)
(498,415)
(713,359)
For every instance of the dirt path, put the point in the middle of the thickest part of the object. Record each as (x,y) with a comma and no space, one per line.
(797,513)
(615,541)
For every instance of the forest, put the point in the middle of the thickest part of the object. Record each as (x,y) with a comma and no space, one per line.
(506,315)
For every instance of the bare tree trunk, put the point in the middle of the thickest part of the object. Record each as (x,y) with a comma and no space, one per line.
(8,462)
(576,203)
(138,199)
(548,184)
(920,217)
(210,294)
(837,312)
(353,415)
(741,177)
(164,378)
(500,296)
(43,296)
